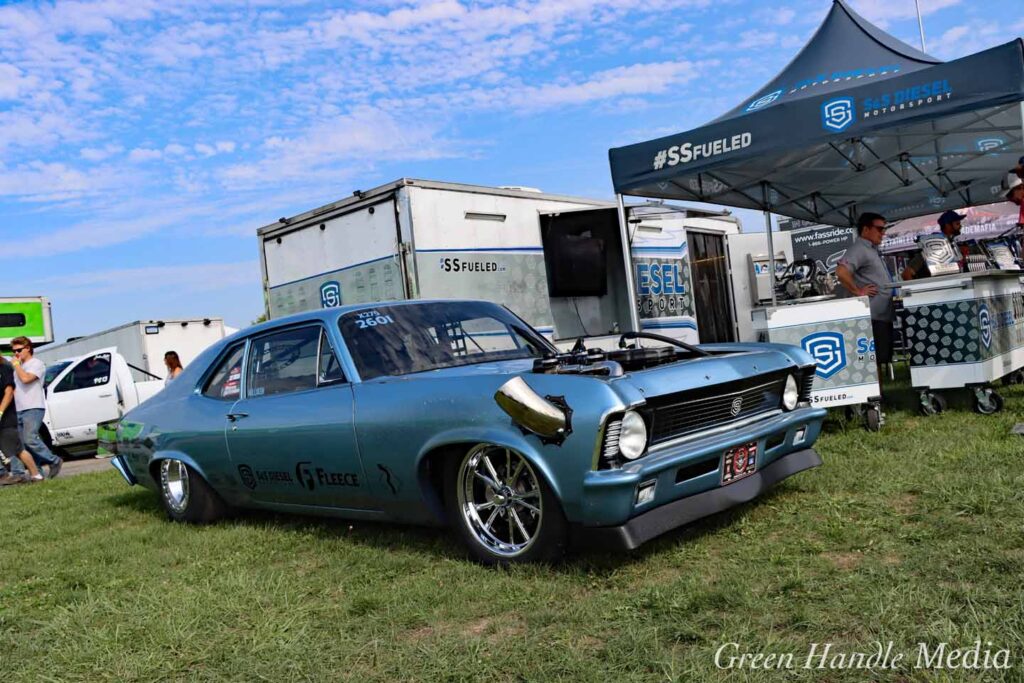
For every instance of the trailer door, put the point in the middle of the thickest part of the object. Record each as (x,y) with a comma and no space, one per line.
(709,275)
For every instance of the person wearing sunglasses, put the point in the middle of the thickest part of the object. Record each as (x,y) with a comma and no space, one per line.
(30,401)
(17,458)
(862,272)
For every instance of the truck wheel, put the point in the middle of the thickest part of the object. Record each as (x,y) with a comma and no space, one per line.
(502,509)
(186,496)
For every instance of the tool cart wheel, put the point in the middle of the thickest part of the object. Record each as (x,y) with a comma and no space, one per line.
(987,401)
(873,418)
(932,404)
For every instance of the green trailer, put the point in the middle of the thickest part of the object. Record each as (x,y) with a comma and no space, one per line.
(25,317)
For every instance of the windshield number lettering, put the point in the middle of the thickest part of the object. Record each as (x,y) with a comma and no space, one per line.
(365,320)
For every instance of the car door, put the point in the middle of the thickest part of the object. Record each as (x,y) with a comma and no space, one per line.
(83,396)
(291,435)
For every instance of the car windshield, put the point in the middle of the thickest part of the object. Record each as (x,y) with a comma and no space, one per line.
(398,340)
(53,370)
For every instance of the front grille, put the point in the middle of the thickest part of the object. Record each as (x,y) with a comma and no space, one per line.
(806,384)
(611,439)
(688,412)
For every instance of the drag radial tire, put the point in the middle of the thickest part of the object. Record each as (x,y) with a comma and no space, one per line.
(502,507)
(185,495)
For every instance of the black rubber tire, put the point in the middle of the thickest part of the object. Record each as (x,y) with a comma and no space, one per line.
(994,405)
(939,402)
(552,539)
(873,419)
(204,505)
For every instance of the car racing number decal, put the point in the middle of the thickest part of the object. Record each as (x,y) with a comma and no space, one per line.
(372,319)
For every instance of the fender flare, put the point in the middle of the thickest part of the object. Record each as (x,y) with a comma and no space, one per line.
(176,455)
(470,436)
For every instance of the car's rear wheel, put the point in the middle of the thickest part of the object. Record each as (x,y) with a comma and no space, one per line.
(186,495)
(503,509)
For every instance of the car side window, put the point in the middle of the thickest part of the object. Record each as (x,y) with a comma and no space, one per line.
(283,362)
(226,381)
(329,368)
(91,372)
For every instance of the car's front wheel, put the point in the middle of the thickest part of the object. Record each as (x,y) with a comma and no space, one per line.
(186,496)
(503,508)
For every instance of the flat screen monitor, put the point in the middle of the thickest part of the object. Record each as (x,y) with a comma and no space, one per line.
(577,265)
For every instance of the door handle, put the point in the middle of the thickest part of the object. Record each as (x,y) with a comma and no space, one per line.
(237,416)
(105,395)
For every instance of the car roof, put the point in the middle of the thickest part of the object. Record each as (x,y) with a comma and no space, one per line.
(331,314)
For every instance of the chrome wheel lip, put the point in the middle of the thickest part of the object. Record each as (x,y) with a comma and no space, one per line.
(517,503)
(174,484)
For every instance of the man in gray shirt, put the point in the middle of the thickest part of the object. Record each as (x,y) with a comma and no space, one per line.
(862,272)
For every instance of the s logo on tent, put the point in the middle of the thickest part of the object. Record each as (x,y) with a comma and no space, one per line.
(838,114)
(763,101)
(828,349)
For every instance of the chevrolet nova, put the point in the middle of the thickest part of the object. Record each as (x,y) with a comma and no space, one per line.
(458,413)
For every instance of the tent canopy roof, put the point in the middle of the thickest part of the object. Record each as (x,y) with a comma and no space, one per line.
(858,121)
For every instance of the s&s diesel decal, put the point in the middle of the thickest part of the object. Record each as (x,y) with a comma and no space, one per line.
(251,477)
(247,476)
(920,95)
(310,477)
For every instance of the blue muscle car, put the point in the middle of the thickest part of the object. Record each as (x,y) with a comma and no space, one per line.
(459,413)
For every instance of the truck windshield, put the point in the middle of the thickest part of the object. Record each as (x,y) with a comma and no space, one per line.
(399,340)
(53,370)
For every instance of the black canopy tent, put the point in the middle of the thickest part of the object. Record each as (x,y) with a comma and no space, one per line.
(858,121)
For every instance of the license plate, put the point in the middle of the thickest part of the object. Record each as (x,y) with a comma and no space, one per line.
(739,462)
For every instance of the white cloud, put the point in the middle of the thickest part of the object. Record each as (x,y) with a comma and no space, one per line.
(143,154)
(14,82)
(100,153)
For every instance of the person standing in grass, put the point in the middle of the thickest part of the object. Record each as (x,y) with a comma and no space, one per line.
(10,440)
(30,400)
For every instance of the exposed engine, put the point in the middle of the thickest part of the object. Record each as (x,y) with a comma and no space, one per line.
(584,361)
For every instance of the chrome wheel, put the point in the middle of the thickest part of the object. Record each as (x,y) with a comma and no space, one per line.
(500,500)
(174,482)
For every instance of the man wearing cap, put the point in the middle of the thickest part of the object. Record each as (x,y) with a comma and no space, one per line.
(862,272)
(949,223)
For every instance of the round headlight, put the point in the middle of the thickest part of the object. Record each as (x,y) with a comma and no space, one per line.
(633,437)
(790,395)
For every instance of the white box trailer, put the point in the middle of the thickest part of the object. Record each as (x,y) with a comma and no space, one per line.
(143,343)
(558,261)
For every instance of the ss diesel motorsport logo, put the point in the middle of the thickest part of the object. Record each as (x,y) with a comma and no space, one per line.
(985,324)
(828,350)
(330,294)
(837,114)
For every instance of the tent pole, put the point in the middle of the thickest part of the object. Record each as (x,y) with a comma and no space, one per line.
(627,261)
(920,23)
(771,242)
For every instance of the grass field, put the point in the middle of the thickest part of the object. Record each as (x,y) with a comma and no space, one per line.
(912,534)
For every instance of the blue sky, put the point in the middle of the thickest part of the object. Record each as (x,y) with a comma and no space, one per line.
(143,142)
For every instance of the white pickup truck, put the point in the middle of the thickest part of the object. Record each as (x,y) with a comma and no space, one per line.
(86,391)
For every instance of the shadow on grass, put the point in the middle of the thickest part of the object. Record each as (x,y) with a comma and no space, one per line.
(442,543)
